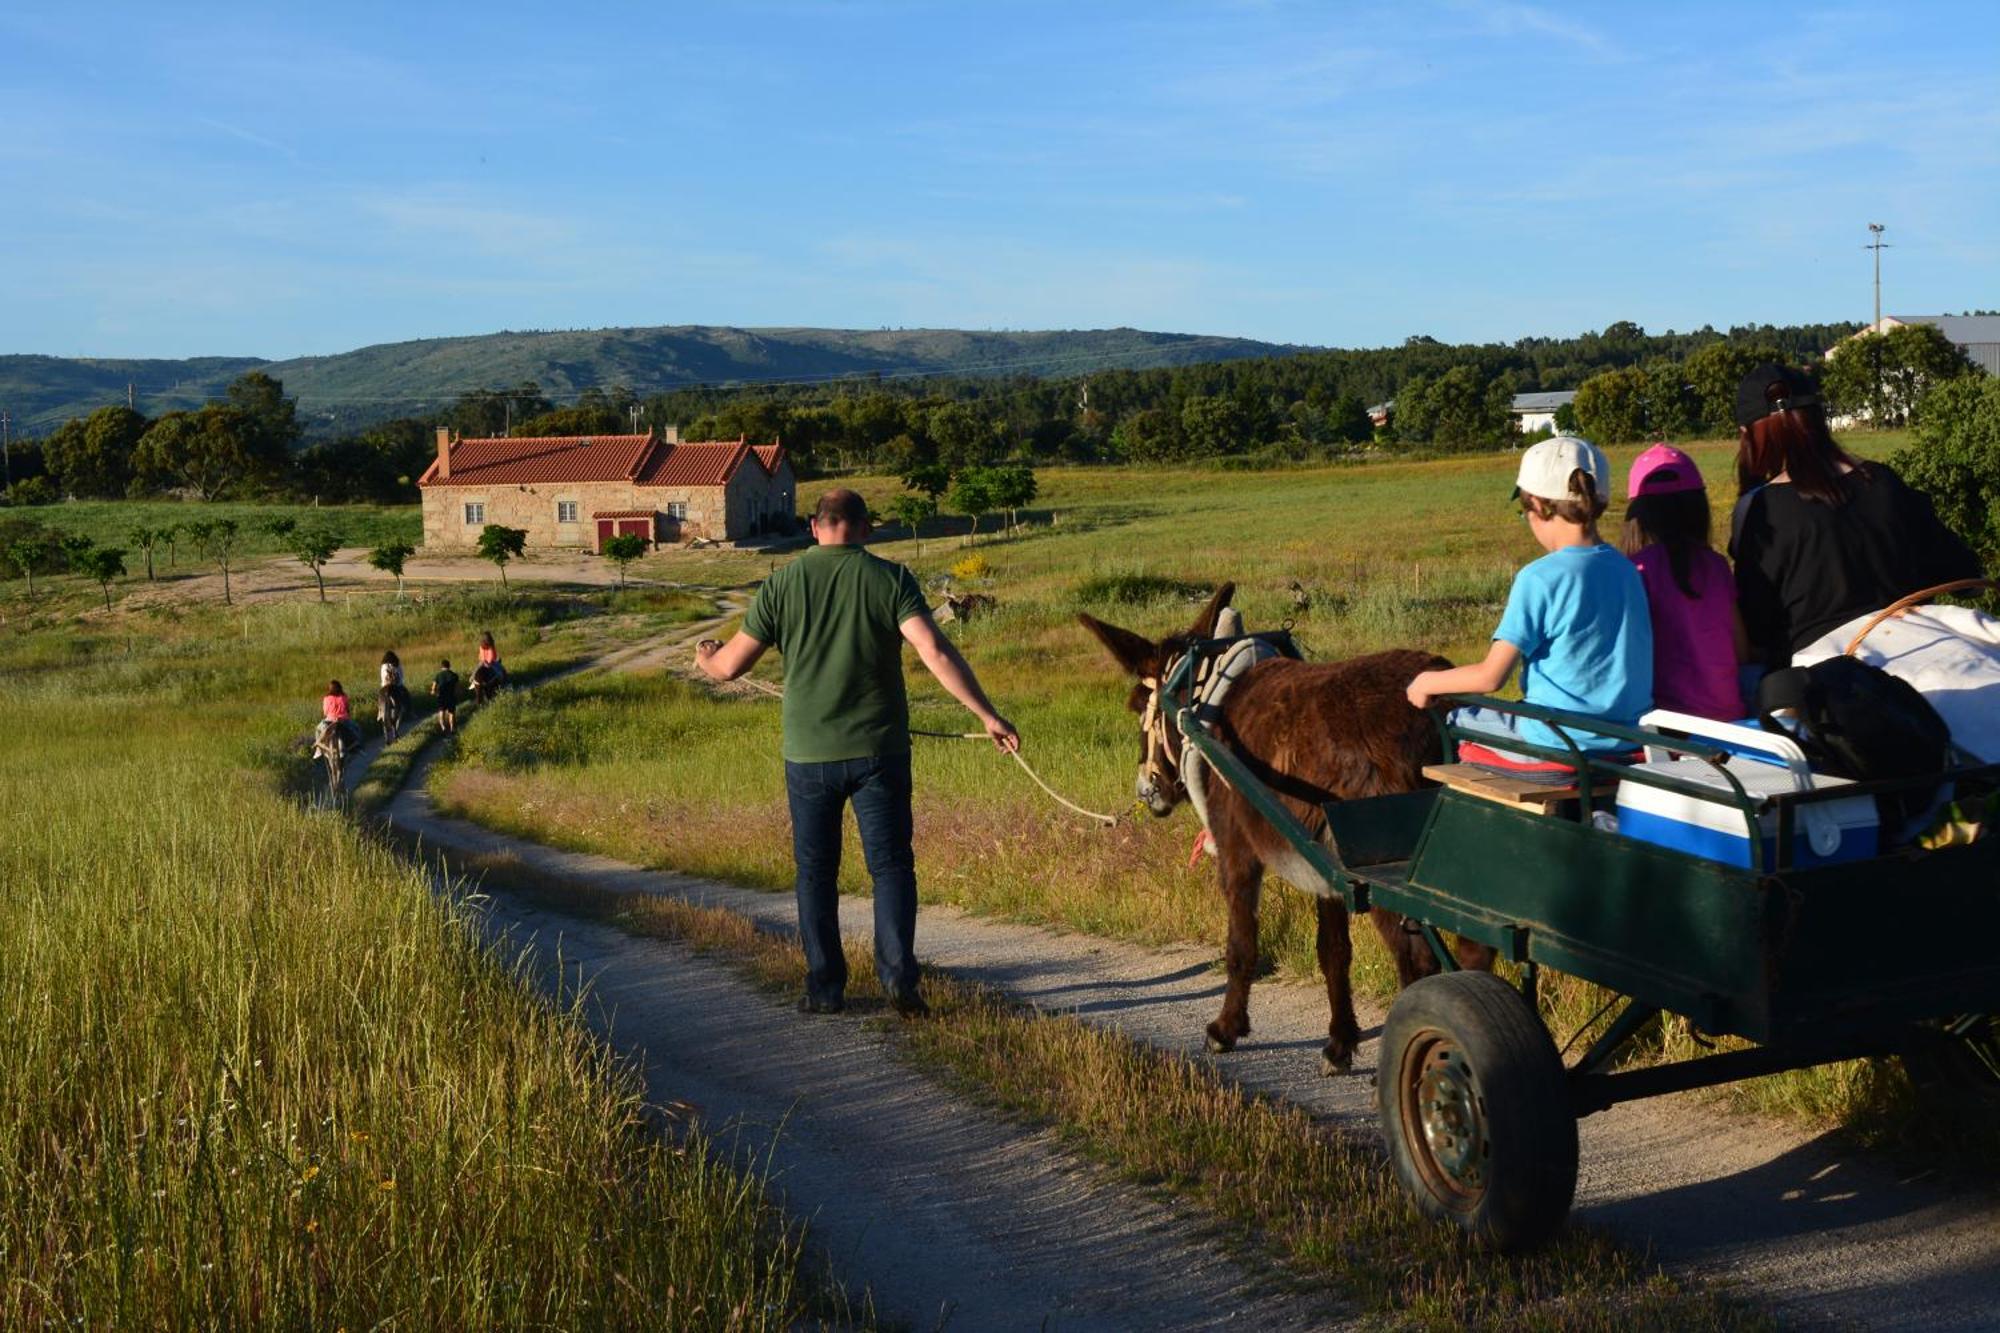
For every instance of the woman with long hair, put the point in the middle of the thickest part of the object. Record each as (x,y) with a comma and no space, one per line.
(1820,537)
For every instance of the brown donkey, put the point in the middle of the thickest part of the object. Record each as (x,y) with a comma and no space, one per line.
(1312,732)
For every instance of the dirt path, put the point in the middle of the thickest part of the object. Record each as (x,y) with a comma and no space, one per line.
(944,1214)
(1827,1238)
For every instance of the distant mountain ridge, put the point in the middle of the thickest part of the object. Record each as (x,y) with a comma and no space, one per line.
(352,389)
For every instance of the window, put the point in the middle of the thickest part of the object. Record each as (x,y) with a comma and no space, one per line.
(565,511)
(677,510)
(475,513)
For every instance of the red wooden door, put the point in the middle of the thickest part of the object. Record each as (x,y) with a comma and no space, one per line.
(637,527)
(606,530)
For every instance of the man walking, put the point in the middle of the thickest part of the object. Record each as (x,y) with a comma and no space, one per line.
(840,617)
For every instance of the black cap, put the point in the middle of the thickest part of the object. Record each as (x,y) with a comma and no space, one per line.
(1773,388)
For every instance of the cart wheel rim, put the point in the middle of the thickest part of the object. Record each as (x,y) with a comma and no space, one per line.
(1444,1120)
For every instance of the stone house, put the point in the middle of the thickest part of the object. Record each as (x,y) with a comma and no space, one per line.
(581,490)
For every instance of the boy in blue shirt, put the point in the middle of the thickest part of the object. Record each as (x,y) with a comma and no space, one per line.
(1576,619)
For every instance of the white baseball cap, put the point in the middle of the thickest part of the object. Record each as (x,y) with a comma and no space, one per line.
(1546,468)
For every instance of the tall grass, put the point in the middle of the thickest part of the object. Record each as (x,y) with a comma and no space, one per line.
(260,1074)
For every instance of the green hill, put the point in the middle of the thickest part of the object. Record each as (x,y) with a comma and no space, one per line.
(351,389)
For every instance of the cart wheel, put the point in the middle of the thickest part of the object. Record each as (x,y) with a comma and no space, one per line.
(1475,1106)
(1968,1067)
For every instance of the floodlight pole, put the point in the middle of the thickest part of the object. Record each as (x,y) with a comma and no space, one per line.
(1878,245)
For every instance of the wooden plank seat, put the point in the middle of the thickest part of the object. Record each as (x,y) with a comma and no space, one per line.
(1509,790)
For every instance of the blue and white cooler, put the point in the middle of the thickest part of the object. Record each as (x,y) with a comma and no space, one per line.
(1823,832)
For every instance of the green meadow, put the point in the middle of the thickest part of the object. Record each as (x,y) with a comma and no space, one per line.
(262,1073)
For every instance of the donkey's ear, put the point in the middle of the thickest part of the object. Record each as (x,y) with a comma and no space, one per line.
(1204,625)
(1138,655)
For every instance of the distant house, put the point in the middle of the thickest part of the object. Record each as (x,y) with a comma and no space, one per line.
(1978,336)
(1378,415)
(1537,411)
(582,490)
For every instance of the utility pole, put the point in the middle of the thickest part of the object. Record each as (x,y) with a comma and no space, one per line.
(7,446)
(1878,245)
(635,418)
(128,396)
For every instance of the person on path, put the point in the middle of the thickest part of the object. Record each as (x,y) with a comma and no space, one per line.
(840,617)
(335,715)
(445,686)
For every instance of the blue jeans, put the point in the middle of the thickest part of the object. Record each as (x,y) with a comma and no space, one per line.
(879,787)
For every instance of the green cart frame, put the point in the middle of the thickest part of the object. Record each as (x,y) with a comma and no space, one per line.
(1476,1102)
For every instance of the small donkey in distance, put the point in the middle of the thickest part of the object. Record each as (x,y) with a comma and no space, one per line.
(1313,732)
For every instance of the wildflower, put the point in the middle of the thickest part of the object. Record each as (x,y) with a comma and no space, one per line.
(389,1184)
(312,1227)
(359,1135)
(309,1173)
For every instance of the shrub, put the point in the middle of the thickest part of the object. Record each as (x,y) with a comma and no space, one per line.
(971,568)
(1956,460)
(1138,589)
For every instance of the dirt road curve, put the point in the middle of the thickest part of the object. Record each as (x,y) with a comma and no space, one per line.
(1826,1239)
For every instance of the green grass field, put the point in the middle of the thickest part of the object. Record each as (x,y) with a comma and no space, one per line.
(1414,554)
(110,523)
(260,1072)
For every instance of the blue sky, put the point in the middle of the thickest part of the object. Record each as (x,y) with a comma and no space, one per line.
(188,179)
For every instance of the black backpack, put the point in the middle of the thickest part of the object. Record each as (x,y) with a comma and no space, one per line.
(1861,723)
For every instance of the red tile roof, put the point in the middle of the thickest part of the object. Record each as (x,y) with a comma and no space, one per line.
(547,458)
(625,513)
(640,459)
(694,464)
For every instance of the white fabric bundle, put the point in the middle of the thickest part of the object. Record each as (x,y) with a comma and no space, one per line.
(1951,654)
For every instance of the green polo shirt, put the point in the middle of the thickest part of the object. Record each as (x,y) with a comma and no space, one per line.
(836,614)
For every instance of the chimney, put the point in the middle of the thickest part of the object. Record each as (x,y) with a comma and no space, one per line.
(444,453)
(670,434)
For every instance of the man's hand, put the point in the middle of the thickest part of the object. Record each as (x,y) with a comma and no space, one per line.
(727,661)
(1003,734)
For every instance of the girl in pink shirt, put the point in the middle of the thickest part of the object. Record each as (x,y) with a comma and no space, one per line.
(1698,636)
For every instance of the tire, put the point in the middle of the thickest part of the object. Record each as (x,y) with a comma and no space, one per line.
(1475,1106)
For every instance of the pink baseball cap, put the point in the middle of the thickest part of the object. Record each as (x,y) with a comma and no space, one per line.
(1662,470)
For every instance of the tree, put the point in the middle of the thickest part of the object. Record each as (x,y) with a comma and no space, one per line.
(911,509)
(578,420)
(1908,361)
(282,527)
(1713,371)
(1011,488)
(216,539)
(501,544)
(75,548)
(145,539)
(1956,460)
(314,546)
(1150,435)
(1459,409)
(30,548)
(208,451)
(623,549)
(94,455)
(1213,426)
(964,438)
(389,558)
(268,420)
(932,479)
(105,564)
(1673,410)
(1611,407)
(972,495)
(171,535)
